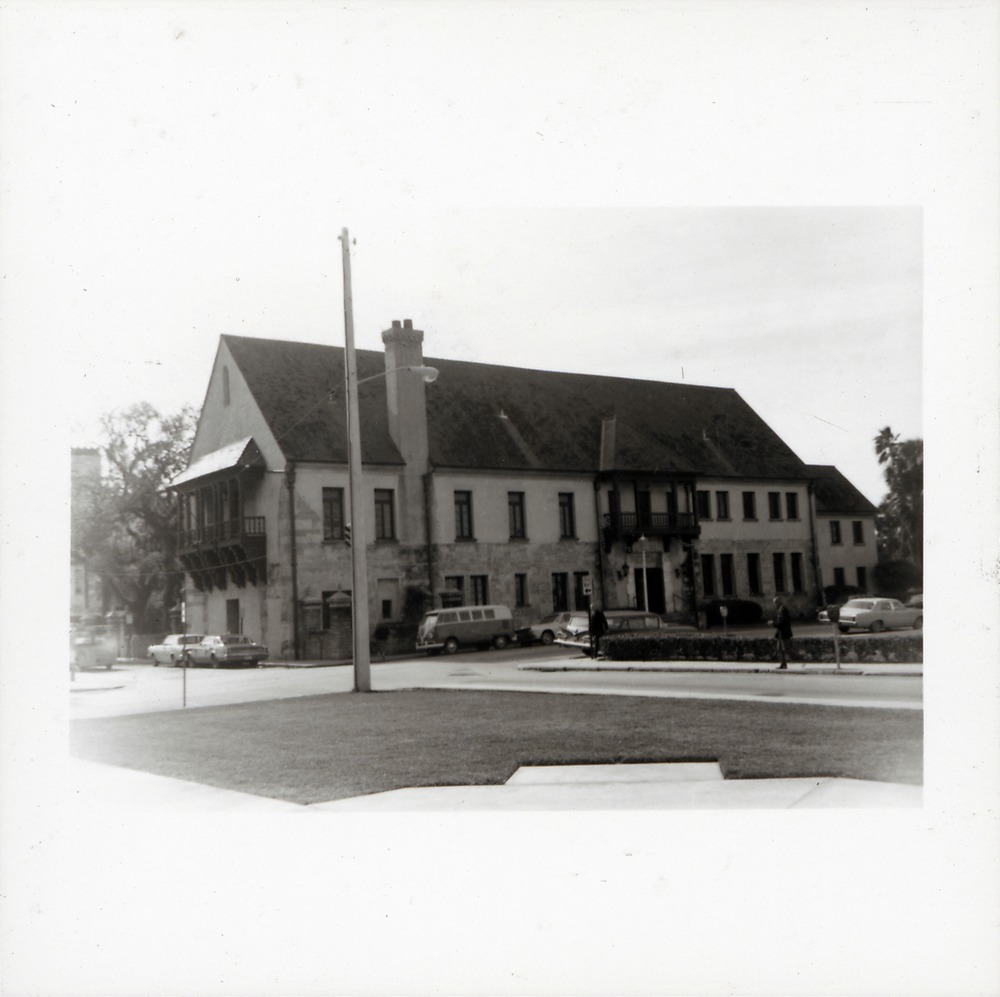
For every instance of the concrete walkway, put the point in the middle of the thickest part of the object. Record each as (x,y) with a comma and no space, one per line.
(99,789)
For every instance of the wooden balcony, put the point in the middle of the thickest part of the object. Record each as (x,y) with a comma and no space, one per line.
(230,550)
(629,526)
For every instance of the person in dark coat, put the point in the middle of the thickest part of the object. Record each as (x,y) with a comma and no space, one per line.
(598,628)
(782,631)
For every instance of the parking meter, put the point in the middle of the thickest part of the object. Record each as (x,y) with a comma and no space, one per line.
(833,612)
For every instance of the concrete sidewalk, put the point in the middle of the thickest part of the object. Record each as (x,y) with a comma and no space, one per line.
(100,789)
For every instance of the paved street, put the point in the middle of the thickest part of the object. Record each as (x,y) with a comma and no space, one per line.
(139,687)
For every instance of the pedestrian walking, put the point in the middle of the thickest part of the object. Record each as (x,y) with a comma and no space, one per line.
(782,631)
(598,628)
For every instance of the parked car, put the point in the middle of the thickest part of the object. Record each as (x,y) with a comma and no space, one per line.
(476,626)
(544,630)
(171,651)
(227,649)
(876,614)
(575,631)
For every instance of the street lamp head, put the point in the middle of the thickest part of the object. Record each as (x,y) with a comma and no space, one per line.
(428,374)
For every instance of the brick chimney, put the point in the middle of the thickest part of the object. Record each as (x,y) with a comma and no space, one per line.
(406,393)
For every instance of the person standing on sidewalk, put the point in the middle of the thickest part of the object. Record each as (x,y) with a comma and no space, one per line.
(598,628)
(782,631)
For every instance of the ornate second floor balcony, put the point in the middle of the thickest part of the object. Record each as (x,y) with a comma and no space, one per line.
(245,528)
(632,525)
(231,549)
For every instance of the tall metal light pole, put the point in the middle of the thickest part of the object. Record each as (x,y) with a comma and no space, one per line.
(359,564)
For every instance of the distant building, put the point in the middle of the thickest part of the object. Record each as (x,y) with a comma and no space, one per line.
(845,532)
(494,484)
(86,590)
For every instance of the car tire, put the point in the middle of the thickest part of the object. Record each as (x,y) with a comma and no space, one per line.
(500,642)
(214,661)
(450,645)
(548,637)
(877,627)
(918,623)
(844,630)
(152,658)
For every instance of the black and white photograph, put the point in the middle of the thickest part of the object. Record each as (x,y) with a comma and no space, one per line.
(465,524)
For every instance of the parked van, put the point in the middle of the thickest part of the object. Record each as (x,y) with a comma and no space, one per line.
(465,626)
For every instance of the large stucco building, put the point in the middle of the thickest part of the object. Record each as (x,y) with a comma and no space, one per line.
(493,484)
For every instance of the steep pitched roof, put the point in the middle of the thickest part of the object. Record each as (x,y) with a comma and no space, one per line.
(511,418)
(835,494)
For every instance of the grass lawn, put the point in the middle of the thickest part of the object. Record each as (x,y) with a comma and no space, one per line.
(319,748)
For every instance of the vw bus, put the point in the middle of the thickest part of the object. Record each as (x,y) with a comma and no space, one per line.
(465,626)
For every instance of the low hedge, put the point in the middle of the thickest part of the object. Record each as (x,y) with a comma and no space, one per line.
(859,649)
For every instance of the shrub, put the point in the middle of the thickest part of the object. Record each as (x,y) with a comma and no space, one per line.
(837,595)
(903,647)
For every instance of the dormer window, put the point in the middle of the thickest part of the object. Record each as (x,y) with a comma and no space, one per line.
(225,386)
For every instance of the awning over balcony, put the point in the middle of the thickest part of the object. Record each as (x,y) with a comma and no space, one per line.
(242,453)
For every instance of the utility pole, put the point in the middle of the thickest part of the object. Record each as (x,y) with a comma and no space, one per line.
(359,565)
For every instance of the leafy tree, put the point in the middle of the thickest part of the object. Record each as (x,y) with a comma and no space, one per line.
(900,518)
(125,525)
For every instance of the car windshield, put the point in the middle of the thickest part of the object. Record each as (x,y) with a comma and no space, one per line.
(859,604)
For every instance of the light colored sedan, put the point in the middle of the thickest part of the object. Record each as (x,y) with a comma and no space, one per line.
(171,651)
(544,630)
(876,615)
(227,649)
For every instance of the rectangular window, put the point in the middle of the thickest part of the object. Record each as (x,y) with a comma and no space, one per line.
(863,579)
(385,520)
(749,505)
(580,601)
(835,531)
(774,505)
(708,574)
(567,516)
(858,530)
(520,590)
(797,573)
(838,577)
(560,596)
(792,505)
(722,505)
(387,594)
(728,577)
(779,572)
(480,589)
(515,513)
(454,593)
(753,572)
(463,515)
(704,504)
(333,513)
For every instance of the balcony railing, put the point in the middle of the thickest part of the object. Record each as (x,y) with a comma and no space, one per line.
(655,524)
(226,531)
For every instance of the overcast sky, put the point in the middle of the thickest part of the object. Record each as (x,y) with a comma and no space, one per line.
(198,164)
